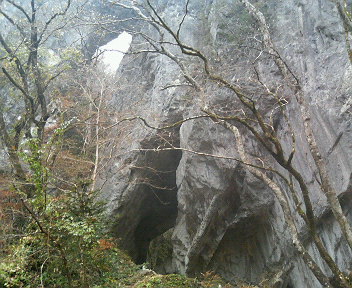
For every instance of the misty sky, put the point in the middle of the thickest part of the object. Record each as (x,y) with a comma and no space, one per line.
(112,53)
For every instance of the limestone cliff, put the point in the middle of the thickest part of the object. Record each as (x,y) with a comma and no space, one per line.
(189,212)
(222,218)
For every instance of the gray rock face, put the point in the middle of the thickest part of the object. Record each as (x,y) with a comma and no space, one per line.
(226,220)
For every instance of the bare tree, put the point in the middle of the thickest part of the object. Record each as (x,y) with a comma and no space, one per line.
(30,65)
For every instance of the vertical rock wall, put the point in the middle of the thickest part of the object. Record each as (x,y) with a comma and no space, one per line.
(227,220)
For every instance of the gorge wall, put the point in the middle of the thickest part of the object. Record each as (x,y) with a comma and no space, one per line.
(222,218)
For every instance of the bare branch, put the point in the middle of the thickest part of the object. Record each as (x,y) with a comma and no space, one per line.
(20,8)
(174,86)
(183,19)
(13,23)
(53,17)
(173,125)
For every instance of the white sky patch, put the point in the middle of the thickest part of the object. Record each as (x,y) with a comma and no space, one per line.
(112,53)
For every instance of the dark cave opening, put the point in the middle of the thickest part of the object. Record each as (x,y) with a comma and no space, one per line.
(160,216)
(159,205)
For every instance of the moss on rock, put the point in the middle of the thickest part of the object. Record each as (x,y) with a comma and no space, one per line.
(170,281)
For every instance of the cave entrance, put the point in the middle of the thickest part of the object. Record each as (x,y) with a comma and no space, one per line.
(159,205)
